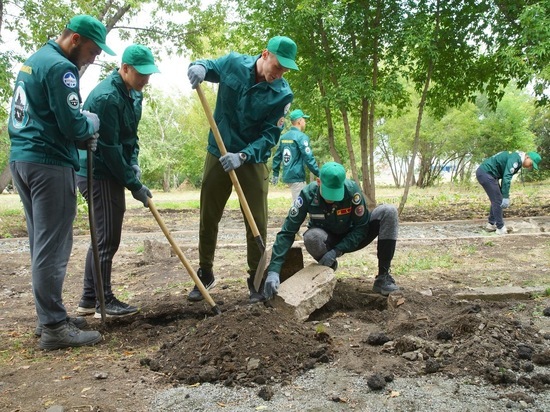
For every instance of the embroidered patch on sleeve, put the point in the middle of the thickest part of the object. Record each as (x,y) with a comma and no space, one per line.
(69,80)
(360,210)
(73,101)
(356,199)
(286,109)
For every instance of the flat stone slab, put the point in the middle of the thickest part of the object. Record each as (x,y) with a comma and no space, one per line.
(500,293)
(306,291)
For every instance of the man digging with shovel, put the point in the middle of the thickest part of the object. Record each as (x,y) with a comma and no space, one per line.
(253,98)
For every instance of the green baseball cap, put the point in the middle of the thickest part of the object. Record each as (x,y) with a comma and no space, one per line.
(332,176)
(140,58)
(285,50)
(535,157)
(296,114)
(91,28)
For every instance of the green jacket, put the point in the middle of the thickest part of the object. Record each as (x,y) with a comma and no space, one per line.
(348,218)
(249,115)
(294,151)
(45,122)
(119,111)
(504,165)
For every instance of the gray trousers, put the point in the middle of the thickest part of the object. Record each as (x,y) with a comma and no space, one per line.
(48,194)
(492,188)
(383,224)
(109,208)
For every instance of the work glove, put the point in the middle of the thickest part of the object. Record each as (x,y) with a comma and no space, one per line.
(271,285)
(275,180)
(137,171)
(142,195)
(505,203)
(329,258)
(196,74)
(231,161)
(93,120)
(91,143)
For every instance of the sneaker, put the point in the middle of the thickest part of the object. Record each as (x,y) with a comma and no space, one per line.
(67,335)
(490,227)
(116,309)
(86,307)
(502,231)
(208,280)
(255,296)
(384,284)
(79,322)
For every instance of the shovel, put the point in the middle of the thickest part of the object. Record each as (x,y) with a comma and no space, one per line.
(185,262)
(258,276)
(99,292)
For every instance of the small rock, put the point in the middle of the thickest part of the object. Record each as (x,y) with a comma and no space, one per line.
(524,351)
(528,367)
(377,339)
(252,364)
(55,408)
(444,335)
(266,393)
(432,366)
(546,312)
(376,382)
(101,375)
(541,358)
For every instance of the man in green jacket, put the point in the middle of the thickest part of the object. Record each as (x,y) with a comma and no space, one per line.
(502,166)
(253,99)
(339,222)
(294,152)
(45,127)
(117,100)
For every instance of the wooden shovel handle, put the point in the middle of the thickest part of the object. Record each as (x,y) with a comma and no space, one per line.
(232,174)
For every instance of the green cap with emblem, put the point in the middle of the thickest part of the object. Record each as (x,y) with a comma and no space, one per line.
(297,114)
(91,28)
(535,157)
(285,50)
(140,58)
(332,176)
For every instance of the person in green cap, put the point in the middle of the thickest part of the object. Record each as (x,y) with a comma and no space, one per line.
(253,99)
(294,152)
(339,222)
(117,100)
(502,166)
(45,127)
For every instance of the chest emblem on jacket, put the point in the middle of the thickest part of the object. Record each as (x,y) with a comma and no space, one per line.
(344,211)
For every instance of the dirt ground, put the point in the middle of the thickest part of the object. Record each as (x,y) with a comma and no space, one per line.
(173,342)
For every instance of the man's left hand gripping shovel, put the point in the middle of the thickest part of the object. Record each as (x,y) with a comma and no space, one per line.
(242,199)
(99,292)
(185,262)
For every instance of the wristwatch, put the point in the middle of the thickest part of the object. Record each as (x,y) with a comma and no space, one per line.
(243,157)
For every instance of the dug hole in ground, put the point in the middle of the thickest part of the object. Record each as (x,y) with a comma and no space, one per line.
(467,331)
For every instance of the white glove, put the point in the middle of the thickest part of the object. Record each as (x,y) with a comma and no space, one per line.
(93,120)
(196,75)
(92,142)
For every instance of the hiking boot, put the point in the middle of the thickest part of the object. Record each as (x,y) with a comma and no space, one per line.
(255,296)
(116,309)
(490,227)
(502,231)
(208,280)
(79,322)
(67,335)
(384,284)
(86,307)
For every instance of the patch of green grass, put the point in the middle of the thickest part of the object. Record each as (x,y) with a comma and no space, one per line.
(415,263)
(140,248)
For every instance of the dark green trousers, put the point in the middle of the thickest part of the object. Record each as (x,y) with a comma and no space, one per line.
(215,191)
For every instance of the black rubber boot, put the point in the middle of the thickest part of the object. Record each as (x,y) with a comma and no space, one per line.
(255,296)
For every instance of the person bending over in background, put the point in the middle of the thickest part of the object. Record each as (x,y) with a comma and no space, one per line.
(253,98)
(294,152)
(45,127)
(502,166)
(339,223)
(117,100)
